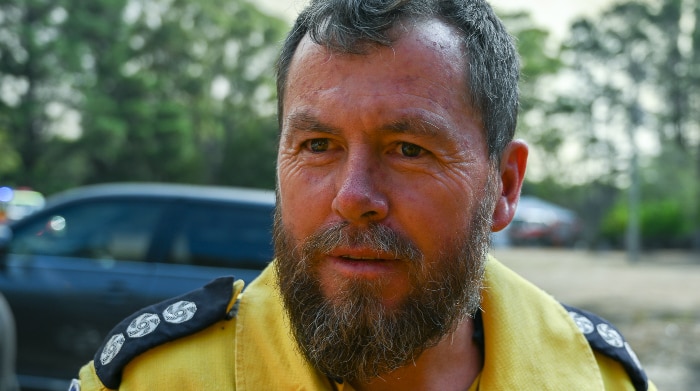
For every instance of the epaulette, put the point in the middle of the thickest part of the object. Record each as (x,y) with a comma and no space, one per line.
(607,340)
(157,324)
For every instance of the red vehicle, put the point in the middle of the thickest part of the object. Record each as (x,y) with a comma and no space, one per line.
(538,222)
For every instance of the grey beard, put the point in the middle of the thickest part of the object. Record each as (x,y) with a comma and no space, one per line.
(355,337)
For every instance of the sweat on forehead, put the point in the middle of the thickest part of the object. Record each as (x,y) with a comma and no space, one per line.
(443,44)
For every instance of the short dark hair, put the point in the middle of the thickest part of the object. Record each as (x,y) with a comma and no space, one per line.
(493,67)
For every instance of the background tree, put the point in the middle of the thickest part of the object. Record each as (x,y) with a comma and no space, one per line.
(612,119)
(629,66)
(163,90)
(29,80)
(678,64)
(194,87)
(568,164)
(540,65)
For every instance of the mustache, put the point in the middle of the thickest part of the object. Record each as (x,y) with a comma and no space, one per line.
(374,236)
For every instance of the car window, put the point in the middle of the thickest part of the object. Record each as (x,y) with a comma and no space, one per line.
(221,235)
(107,229)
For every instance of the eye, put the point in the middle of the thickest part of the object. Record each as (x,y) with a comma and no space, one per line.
(317,145)
(411,150)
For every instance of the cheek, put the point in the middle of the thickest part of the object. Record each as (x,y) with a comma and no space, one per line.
(304,201)
(435,215)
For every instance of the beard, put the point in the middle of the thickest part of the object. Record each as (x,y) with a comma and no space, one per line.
(353,336)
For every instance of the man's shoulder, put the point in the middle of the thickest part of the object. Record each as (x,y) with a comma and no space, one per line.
(525,320)
(605,339)
(164,322)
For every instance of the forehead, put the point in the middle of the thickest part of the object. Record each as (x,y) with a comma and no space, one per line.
(427,59)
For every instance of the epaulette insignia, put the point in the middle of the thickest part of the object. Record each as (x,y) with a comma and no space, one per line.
(155,325)
(606,339)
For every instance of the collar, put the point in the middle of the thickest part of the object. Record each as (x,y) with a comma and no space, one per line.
(531,342)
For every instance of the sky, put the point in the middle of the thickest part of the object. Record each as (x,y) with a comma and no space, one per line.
(554,15)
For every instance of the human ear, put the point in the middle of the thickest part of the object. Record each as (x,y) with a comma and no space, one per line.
(511,174)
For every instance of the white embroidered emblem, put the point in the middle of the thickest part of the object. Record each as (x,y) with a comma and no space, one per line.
(112,348)
(74,385)
(612,337)
(180,312)
(584,324)
(143,325)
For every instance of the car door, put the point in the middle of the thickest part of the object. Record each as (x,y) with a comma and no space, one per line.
(71,274)
(209,239)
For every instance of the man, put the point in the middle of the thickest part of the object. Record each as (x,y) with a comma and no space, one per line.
(396,161)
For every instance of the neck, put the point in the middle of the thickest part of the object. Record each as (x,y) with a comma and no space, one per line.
(452,364)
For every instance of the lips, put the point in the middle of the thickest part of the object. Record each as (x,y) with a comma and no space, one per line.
(362,255)
(354,258)
(363,263)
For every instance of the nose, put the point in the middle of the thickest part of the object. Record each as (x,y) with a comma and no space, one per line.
(360,198)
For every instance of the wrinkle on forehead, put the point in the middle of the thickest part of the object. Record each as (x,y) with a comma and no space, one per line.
(444,41)
(425,67)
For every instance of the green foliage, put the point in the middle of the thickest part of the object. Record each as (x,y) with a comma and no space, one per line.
(9,159)
(664,223)
(164,90)
(252,155)
(538,63)
(668,212)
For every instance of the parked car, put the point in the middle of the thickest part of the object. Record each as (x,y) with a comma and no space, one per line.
(538,222)
(94,255)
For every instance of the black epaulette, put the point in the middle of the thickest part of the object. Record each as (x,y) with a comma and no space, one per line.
(606,339)
(166,321)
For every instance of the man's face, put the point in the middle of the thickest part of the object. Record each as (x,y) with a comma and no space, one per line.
(383,209)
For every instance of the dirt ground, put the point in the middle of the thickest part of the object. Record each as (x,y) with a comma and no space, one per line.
(654,302)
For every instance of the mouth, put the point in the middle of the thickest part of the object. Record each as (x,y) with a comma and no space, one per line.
(363,263)
(361,258)
(362,254)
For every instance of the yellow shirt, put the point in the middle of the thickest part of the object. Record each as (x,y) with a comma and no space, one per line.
(531,343)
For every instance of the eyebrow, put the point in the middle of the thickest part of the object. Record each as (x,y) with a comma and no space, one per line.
(304,121)
(419,125)
(414,125)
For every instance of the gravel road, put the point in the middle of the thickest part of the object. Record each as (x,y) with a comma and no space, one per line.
(654,302)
